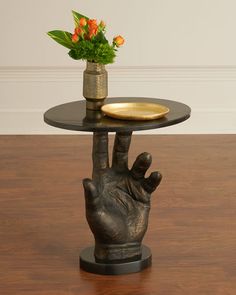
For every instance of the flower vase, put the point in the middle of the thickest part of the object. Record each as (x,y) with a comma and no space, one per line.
(95,85)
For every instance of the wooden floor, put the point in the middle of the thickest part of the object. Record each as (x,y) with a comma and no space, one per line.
(192,227)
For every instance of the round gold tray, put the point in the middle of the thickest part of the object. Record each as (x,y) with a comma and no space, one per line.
(135,110)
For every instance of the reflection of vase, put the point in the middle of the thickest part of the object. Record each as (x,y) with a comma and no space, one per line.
(95,85)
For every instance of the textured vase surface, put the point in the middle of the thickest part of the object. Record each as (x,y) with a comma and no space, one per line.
(95,83)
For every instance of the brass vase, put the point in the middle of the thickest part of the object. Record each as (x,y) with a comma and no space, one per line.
(95,82)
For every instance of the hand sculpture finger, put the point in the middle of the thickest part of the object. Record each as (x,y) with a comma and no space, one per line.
(91,194)
(141,165)
(152,182)
(120,151)
(100,153)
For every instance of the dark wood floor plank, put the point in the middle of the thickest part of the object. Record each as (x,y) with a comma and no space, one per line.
(192,227)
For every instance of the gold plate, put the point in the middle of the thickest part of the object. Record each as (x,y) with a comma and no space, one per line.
(135,110)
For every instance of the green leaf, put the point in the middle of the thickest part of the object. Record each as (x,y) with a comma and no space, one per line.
(74,54)
(62,37)
(100,38)
(77,16)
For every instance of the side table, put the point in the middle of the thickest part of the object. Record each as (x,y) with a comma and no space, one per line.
(117,198)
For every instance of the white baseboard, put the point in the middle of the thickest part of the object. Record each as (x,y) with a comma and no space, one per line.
(25,93)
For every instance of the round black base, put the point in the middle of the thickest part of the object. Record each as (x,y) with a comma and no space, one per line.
(88,263)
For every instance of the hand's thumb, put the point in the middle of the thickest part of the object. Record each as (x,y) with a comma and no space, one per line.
(90,192)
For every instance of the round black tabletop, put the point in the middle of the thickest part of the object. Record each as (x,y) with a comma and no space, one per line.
(75,116)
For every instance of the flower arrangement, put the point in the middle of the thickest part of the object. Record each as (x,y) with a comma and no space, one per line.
(88,42)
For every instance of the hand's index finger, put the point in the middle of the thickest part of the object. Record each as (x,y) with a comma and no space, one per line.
(120,150)
(100,153)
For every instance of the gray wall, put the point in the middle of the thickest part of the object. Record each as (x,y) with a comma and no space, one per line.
(176,49)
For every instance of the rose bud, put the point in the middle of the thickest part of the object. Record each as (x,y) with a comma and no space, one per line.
(118,41)
(75,38)
(82,22)
(79,31)
(102,24)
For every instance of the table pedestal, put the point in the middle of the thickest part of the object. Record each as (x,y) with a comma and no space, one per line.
(117,207)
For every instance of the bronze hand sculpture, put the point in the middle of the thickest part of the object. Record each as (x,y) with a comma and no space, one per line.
(118,199)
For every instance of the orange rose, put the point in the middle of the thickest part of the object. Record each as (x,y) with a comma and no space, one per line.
(79,31)
(93,32)
(92,27)
(92,23)
(119,40)
(82,22)
(75,38)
